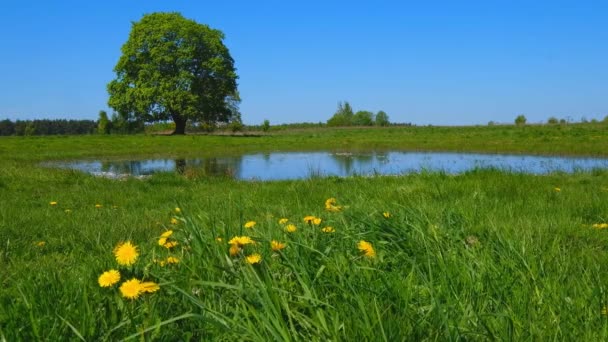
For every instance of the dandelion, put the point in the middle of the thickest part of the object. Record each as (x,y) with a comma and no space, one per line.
(219,239)
(166,234)
(174,220)
(557,189)
(240,241)
(170,244)
(386,214)
(600,225)
(109,278)
(98,206)
(250,224)
(126,254)
(234,250)
(254,258)
(149,287)
(162,241)
(283,221)
(53,203)
(328,230)
(291,228)
(316,221)
(40,243)
(178,210)
(131,289)
(330,205)
(172,260)
(309,219)
(366,248)
(276,245)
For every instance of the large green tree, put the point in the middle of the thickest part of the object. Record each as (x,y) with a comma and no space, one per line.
(173,68)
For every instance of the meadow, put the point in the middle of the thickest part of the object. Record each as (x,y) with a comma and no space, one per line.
(479,256)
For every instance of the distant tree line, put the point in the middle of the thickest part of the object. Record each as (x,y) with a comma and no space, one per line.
(345,116)
(47,127)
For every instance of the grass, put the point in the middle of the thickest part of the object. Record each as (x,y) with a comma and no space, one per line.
(482,255)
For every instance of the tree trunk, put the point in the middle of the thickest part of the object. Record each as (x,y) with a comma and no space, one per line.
(180,125)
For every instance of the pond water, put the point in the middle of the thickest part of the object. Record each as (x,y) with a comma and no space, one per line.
(298,165)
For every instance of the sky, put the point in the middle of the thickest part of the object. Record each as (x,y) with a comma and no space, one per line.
(423,62)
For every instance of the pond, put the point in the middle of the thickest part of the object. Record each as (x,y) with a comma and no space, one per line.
(299,165)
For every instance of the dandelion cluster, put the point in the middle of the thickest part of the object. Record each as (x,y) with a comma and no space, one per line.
(166,240)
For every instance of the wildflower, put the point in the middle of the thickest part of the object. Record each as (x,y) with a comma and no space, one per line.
(174,220)
(328,230)
(234,250)
(386,214)
(67,211)
(276,245)
(109,278)
(170,244)
(557,189)
(98,206)
(40,243)
(283,221)
(219,239)
(162,241)
(366,248)
(240,241)
(131,289)
(291,228)
(149,287)
(178,210)
(126,254)
(316,221)
(172,260)
(250,224)
(53,203)
(330,205)
(309,219)
(166,234)
(254,258)
(600,225)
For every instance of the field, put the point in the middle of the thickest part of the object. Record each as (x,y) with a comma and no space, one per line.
(482,255)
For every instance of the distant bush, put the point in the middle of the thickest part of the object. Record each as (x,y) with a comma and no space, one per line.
(552,121)
(382,119)
(363,118)
(343,115)
(47,127)
(266,126)
(520,120)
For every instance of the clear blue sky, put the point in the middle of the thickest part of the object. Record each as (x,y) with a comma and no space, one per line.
(425,62)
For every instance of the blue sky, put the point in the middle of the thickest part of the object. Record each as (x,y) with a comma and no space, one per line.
(425,62)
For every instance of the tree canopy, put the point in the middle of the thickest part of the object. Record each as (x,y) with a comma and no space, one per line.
(173,68)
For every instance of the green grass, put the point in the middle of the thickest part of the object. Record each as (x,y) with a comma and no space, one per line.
(483,255)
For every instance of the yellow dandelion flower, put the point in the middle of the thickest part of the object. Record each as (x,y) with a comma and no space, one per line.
(109,278)
(283,221)
(172,260)
(126,253)
(330,202)
(254,258)
(166,234)
(178,210)
(162,241)
(309,219)
(149,287)
(53,203)
(241,241)
(316,221)
(600,225)
(328,230)
(250,224)
(234,250)
(170,244)
(366,248)
(557,189)
(40,243)
(276,245)
(98,206)
(386,214)
(174,220)
(131,289)
(291,228)
(330,205)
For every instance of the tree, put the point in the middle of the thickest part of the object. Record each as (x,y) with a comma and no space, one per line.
(363,118)
(520,120)
(382,119)
(266,126)
(552,121)
(103,125)
(343,116)
(173,68)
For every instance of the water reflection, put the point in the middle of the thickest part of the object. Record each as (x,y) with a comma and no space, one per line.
(269,166)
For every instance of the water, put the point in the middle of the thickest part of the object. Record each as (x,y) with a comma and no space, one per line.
(298,165)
